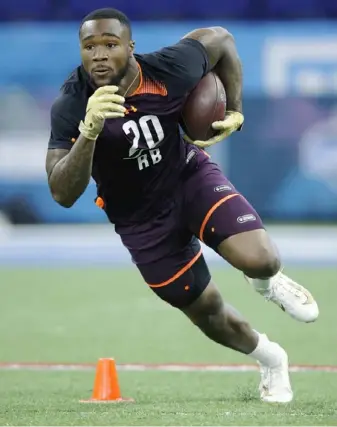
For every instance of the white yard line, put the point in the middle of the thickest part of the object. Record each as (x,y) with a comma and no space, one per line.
(140,367)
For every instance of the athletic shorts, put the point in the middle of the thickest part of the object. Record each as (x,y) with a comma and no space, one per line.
(206,207)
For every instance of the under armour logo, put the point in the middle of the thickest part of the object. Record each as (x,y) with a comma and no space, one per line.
(131,109)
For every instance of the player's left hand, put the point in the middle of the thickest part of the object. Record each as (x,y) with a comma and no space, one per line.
(226,127)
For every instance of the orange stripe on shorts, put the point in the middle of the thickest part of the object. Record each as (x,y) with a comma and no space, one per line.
(179,273)
(210,212)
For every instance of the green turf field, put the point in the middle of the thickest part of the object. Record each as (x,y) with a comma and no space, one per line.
(78,316)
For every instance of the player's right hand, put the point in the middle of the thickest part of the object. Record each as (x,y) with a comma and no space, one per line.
(231,123)
(103,104)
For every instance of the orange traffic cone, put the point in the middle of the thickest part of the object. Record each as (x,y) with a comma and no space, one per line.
(106,387)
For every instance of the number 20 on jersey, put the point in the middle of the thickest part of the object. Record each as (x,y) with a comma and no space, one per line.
(150,129)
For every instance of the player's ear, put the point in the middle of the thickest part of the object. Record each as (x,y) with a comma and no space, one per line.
(131,46)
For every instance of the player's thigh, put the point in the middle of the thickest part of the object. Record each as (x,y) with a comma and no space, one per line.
(225,221)
(218,211)
(179,278)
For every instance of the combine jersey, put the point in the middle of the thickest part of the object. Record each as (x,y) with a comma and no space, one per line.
(139,159)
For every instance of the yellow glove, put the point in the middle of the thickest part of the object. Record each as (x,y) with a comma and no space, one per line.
(230,124)
(103,104)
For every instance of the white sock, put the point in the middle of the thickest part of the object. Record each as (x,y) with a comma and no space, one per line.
(261,285)
(268,353)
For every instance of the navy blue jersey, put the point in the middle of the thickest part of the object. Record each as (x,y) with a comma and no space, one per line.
(139,159)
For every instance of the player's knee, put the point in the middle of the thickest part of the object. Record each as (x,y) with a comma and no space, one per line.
(209,304)
(209,313)
(251,252)
(263,263)
(206,307)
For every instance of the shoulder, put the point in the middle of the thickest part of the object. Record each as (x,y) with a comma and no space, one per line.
(66,104)
(175,55)
(179,66)
(76,83)
(65,116)
(73,94)
(183,44)
(72,98)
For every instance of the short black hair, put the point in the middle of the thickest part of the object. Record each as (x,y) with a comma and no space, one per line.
(108,13)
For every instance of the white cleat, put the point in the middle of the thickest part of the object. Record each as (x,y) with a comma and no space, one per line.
(290,297)
(275,384)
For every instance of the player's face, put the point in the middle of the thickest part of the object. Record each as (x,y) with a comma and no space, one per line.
(106,49)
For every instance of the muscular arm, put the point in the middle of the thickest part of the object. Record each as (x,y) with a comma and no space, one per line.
(69,171)
(224,59)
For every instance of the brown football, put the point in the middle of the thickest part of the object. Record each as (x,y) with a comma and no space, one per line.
(204,105)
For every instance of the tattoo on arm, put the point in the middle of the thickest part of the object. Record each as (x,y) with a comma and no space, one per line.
(69,172)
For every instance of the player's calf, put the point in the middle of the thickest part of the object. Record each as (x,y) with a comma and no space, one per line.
(220,322)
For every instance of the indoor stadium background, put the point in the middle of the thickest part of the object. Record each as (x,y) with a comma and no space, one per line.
(69,292)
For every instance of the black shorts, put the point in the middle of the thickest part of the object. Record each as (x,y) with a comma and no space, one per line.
(179,278)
